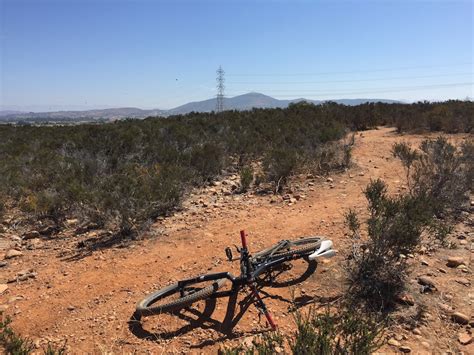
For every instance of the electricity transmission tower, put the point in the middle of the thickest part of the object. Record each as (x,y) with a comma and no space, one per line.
(220,89)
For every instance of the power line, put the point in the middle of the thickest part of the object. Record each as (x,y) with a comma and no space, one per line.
(347,81)
(373,90)
(220,90)
(353,71)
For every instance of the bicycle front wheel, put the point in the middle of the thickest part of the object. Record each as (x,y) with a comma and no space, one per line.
(173,298)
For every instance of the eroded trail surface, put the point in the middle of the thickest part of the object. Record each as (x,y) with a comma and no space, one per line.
(88,300)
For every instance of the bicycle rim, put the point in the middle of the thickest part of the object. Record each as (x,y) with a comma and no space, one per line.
(169,299)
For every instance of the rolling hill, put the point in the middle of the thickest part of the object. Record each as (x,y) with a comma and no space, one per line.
(241,102)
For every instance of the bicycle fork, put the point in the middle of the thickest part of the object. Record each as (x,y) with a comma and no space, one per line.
(251,283)
(262,307)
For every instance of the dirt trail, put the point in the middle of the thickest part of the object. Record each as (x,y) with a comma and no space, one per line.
(89,301)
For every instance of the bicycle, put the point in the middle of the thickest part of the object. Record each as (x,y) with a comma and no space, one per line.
(251,270)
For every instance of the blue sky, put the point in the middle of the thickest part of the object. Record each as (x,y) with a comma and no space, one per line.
(74,54)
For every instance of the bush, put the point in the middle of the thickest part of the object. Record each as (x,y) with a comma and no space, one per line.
(377,273)
(15,344)
(127,172)
(345,332)
(2,205)
(440,172)
(246,177)
(348,332)
(11,342)
(265,344)
(279,164)
(467,159)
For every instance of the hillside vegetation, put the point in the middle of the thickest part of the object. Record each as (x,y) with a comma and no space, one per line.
(127,173)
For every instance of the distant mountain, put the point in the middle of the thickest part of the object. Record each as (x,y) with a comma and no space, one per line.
(241,102)
(9,112)
(257,100)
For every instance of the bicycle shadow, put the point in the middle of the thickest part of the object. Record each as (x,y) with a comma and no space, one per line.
(235,311)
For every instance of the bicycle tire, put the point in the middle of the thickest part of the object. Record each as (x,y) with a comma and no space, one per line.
(311,244)
(145,306)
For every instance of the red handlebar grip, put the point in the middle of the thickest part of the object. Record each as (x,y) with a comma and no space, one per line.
(243,239)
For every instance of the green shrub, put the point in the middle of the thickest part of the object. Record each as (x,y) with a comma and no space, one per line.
(279,164)
(2,205)
(15,344)
(376,272)
(246,177)
(265,344)
(467,159)
(440,172)
(345,332)
(348,332)
(108,172)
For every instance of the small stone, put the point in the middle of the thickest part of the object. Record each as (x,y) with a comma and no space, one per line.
(393,342)
(416,331)
(426,281)
(463,281)
(71,308)
(399,337)
(460,318)
(248,342)
(424,262)
(3,288)
(72,222)
(405,349)
(15,298)
(405,298)
(426,344)
(3,263)
(330,179)
(443,271)
(445,308)
(465,338)
(361,174)
(31,235)
(13,253)
(455,261)
(278,349)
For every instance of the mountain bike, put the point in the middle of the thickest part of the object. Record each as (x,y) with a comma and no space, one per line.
(253,269)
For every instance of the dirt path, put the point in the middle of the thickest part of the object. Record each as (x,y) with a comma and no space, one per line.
(89,301)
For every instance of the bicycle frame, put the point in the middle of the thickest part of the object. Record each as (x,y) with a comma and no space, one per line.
(248,276)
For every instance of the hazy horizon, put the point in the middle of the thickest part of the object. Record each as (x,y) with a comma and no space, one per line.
(82,55)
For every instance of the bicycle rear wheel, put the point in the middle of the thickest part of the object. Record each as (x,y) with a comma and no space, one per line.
(283,274)
(172,298)
(301,247)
